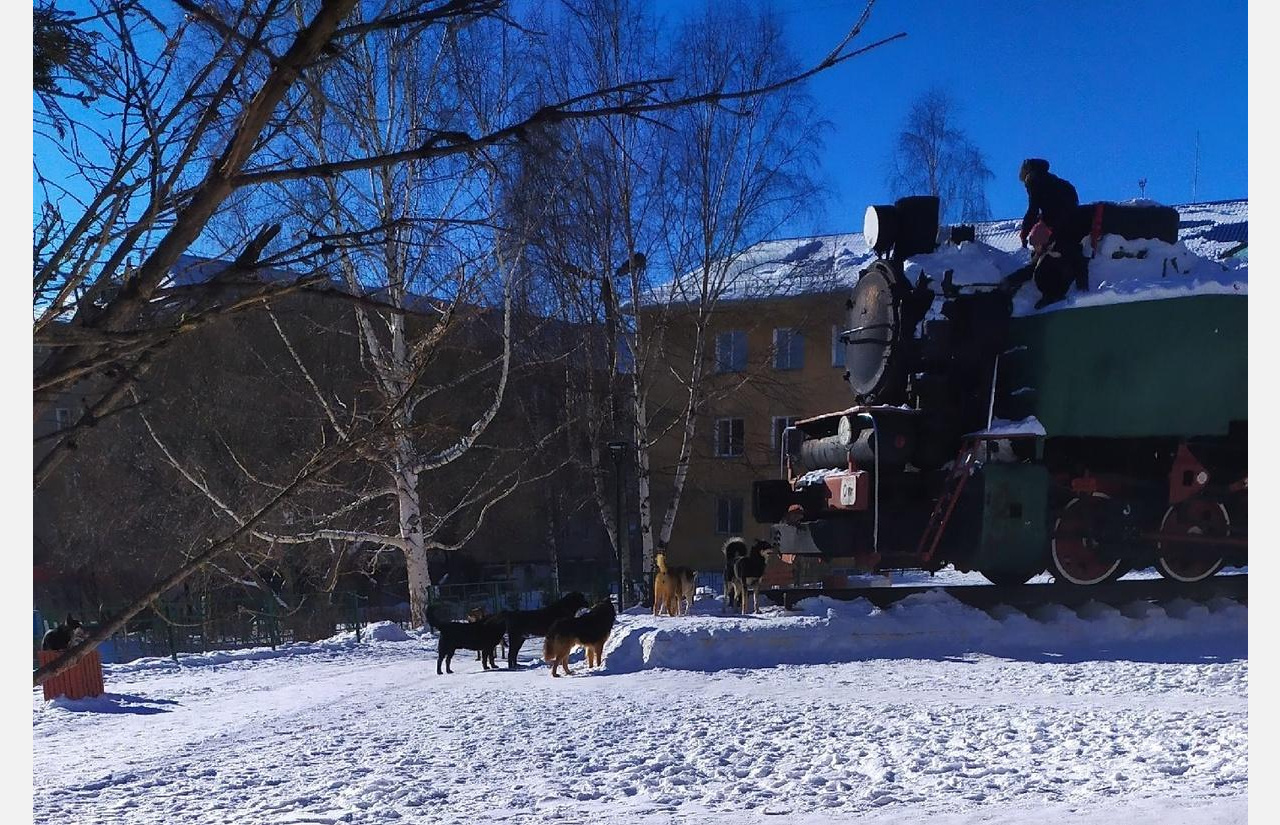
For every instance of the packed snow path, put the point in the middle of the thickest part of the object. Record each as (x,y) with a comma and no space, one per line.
(1075,732)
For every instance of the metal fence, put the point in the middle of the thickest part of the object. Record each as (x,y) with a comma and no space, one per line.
(214,621)
(228,621)
(211,624)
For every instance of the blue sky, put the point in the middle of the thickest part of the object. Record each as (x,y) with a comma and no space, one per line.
(1108,92)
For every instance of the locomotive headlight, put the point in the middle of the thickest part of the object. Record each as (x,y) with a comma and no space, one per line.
(879,228)
(845,431)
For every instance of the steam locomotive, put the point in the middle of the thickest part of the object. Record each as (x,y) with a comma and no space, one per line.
(1087,438)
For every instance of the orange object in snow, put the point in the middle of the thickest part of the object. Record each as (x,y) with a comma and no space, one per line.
(82,681)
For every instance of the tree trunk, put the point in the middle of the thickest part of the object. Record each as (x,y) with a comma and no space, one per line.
(643,492)
(690,430)
(415,551)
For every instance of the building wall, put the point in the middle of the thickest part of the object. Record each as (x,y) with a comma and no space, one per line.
(116,516)
(757,395)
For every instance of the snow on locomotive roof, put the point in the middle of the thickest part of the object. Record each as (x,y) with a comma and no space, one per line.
(831,263)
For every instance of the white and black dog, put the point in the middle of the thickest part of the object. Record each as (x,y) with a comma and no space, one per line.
(743,568)
(64,635)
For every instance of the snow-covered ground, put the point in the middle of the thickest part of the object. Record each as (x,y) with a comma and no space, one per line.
(837,713)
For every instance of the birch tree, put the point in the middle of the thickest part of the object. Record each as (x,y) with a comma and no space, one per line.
(643,200)
(934,156)
(738,175)
(199,109)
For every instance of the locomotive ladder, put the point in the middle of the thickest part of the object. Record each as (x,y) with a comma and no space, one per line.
(966,461)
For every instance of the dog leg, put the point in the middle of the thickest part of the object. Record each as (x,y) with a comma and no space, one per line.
(513,650)
(439,659)
(564,663)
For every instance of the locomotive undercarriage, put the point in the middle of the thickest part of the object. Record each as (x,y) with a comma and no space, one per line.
(1109,506)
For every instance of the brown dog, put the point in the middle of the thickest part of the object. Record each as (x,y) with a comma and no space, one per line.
(673,588)
(590,630)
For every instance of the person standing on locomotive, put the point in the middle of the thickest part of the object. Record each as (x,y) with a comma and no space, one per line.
(1057,261)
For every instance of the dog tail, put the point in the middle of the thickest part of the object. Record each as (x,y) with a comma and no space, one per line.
(549,647)
(431,617)
(734,547)
(661,561)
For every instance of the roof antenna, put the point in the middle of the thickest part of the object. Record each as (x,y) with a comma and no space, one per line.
(1142,187)
(1195,172)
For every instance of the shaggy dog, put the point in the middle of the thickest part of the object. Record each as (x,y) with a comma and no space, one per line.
(673,588)
(590,630)
(743,569)
(483,636)
(521,624)
(63,636)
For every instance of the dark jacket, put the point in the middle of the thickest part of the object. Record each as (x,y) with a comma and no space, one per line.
(1050,199)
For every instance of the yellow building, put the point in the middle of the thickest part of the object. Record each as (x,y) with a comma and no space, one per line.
(772,356)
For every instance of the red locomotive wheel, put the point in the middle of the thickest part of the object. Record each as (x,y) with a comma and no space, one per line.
(1193,517)
(1075,550)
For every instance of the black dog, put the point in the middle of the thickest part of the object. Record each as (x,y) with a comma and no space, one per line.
(590,630)
(743,569)
(484,636)
(62,636)
(521,624)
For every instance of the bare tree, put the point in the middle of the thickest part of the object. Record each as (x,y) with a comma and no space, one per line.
(738,176)
(202,113)
(686,196)
(934,156)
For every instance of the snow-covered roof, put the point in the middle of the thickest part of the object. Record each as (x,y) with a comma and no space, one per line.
(831,263)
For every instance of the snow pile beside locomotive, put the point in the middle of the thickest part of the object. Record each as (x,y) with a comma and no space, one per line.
(926,625)
(1207,234)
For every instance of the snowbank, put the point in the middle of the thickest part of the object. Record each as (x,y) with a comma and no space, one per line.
(342,643)
(924,625)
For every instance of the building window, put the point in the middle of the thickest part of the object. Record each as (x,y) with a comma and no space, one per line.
(780,423)
(837,347)
(63,416)
(788,349)
(729,515)
(731,351)
(730,435)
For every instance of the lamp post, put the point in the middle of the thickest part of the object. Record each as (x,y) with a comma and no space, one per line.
(618,449)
